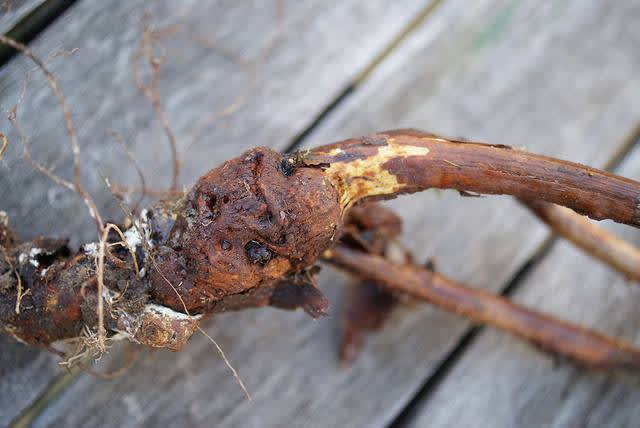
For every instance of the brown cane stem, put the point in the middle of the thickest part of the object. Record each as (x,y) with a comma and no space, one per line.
(608,248)
(406,161)
(585,346)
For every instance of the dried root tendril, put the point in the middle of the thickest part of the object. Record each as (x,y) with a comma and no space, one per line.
(68,120)
(101,336)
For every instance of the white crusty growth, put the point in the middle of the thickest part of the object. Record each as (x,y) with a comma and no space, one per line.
(157,326)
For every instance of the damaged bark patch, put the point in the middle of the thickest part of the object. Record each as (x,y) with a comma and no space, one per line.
(257,252)
(360,173)
(287,166)
(159,327)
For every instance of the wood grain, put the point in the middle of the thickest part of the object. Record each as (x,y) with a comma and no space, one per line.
(554,77)
(310,58)
(504,383)
(19,363)
(12,11)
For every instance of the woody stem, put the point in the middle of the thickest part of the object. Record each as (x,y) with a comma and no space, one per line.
(585,346)
(390,163)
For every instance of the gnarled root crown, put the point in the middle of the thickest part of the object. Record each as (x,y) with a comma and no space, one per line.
(247,234)
(250,222)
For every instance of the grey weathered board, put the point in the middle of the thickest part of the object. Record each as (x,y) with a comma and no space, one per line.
(19,364)
(318,50)
(12,11)
(500,382)
(556,77)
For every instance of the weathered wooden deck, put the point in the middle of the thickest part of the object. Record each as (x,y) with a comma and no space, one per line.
(560,77)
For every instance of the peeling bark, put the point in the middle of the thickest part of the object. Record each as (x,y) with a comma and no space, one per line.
(407,161)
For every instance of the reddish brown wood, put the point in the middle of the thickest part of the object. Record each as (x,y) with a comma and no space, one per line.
(585,346)
(249,232)
(487,169)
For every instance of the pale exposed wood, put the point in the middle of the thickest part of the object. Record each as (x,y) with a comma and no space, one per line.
(503,383)
(307,61)
(554,77)
(11,11)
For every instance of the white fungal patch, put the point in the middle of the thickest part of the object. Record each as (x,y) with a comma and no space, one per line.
(169,313)
(91,249)
(33,254)
(133,238)
(140,225)
(109,295)
(4,218)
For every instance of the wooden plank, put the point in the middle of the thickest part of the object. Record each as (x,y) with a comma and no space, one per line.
(12,11)
(501,382)
(24,372)
(317,51)
(196,83)
(491,70)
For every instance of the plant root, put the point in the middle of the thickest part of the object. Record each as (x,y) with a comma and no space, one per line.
(587,347)
(390,163)
(249,233)
(604,246)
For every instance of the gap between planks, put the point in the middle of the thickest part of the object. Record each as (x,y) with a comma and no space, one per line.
(32,24)
(27,33)
(414,24)
(631,141)
(504,280)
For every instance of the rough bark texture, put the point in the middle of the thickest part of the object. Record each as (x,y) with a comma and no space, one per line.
(249,232)
(585,346)
(244,236)
(407,161)
(252,221)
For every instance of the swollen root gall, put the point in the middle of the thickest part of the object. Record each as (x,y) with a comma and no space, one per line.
(268,224)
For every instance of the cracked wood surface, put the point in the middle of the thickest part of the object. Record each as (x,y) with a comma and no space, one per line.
(558,78)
